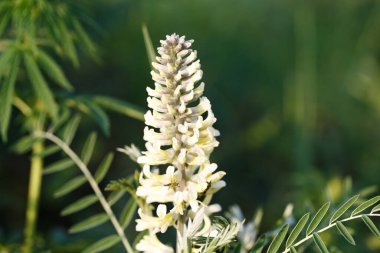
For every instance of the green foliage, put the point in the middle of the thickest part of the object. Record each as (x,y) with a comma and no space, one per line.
(7,89)
(74,183)
(278,239)
(336,220)
(341,210)
(102,244)
(344,232)
(317,218)
(297,230)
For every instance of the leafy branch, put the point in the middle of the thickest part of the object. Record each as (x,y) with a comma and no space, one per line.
(335,221)
(81,164)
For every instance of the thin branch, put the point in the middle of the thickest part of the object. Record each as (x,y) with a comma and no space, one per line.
(107,208)
(327,228)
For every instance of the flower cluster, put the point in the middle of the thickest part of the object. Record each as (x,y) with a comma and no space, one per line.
(178,178)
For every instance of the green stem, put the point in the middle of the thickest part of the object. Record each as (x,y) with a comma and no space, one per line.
(33,196)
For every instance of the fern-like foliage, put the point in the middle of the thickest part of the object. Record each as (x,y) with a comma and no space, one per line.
(338,219)
(81,161)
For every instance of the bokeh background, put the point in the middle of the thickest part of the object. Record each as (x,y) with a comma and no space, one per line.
(295,86)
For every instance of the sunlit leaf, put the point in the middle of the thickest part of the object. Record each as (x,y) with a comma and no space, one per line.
(278,239)
(365,205)
(297,230)
(341,210)
(317,218)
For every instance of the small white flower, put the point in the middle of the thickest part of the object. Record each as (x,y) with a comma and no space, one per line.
(151,244)
(159,223)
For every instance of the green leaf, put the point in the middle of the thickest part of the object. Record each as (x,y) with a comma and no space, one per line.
(320,244)
(259,245)
(63,118)
(50,150)
(278,239)
(103,167)
(341,210)
(365,205)
(122,107)
(7,89)
(102,244)
(70,129)
(376,209)
(115,196)
(6,58)
(89,223)
(70,186)
(23,145)
(317,218)
(4,21)
(344,232)
(128,213)
(59,166)
(79,205)
(67,42)
(53,70)
(293,250)
(148,45)
(88,147)
(371,225)
(98,114)
(40,86)
(297,230)
(85,40)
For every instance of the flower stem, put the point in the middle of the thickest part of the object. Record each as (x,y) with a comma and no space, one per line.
(35,180)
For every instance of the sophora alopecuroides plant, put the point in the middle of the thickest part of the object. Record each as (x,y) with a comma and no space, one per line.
(177,181)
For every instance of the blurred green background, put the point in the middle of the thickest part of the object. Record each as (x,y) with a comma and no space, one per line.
(295,86)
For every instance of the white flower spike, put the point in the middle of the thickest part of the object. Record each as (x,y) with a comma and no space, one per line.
(179,140)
